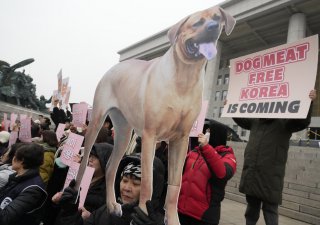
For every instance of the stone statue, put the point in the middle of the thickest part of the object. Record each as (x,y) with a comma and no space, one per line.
(17,87)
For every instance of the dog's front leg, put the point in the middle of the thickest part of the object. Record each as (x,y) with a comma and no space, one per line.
(177,155)
(147,156)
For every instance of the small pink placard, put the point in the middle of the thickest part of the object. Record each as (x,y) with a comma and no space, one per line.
(79,114)
(85,182)
(60,130)
(25,130)
(71,148)
(13,118)
(13,138)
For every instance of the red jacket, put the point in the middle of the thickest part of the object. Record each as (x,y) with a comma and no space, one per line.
(205,176)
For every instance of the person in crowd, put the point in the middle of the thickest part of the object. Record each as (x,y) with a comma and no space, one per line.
(127,189)
(264,164)
(58,115)
(6,164)
(45,124)
(108,123)
(4,141)
(50,144)
(22,198)
(96,196)
(104,135)
(207,170)
(68,114)
(35,131)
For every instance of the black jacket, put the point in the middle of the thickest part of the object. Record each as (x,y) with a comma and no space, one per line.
(22,199)
(100,216)
(266,155)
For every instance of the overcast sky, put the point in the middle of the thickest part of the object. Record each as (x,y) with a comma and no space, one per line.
(81,37)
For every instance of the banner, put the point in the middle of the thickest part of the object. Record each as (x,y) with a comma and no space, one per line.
(274,83)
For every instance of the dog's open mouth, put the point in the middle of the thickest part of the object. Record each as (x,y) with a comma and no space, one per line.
(198,50)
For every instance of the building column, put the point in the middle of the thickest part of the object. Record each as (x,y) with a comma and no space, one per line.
(297,27)
(297,31)
(211,73)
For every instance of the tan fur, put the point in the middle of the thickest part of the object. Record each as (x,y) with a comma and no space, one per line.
(160,99)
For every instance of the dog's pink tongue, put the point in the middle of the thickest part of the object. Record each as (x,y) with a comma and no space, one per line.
(208,50)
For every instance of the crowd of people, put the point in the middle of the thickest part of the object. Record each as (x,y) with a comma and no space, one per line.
(32,175)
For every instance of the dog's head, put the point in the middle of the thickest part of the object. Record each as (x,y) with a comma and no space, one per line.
(195,36)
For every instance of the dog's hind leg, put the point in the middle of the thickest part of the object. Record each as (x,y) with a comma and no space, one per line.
(177,154)
(122,136)
(98,117)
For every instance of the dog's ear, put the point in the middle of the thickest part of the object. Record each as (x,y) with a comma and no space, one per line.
(229,21)
(174,30)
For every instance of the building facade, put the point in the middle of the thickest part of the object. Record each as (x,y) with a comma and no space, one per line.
(261,24)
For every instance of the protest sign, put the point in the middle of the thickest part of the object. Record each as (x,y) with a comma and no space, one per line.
(25,130)
(274,83)
(60,130)
(13,118)
(71,148)
(79,114)
(85,182)
(59,76)
(6,122)
(13,138)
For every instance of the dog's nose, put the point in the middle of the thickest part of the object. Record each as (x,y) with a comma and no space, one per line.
(212,25)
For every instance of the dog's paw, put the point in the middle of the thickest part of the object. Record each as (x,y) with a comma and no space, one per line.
(114,208)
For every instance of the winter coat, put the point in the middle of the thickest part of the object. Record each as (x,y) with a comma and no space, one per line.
(5,171)
(21,200)
(101,215)
(46,168)
(266,155)
(58,116)
(205,176)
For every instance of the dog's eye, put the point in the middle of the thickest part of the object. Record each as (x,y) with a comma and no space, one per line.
(199,23)
(216,17)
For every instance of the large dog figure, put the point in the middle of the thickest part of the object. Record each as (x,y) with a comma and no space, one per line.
(160,99)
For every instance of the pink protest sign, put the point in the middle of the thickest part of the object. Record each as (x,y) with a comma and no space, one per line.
(13,118)
(198,124)
(65,98)
(89,114)
(6,122)
(71,148)
(79,114)
(13,138)
(23,116)
(85,182)
(59,76)
(274,83)
(25,130)
(60,130)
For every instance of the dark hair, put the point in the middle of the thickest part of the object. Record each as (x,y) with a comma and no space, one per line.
(50,137)
(35,130)
(108,120)
(47,120)
(30,154)
(104,135)
(11,152)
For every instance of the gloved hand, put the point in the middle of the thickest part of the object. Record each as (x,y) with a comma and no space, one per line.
(153,217)
(70,198)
